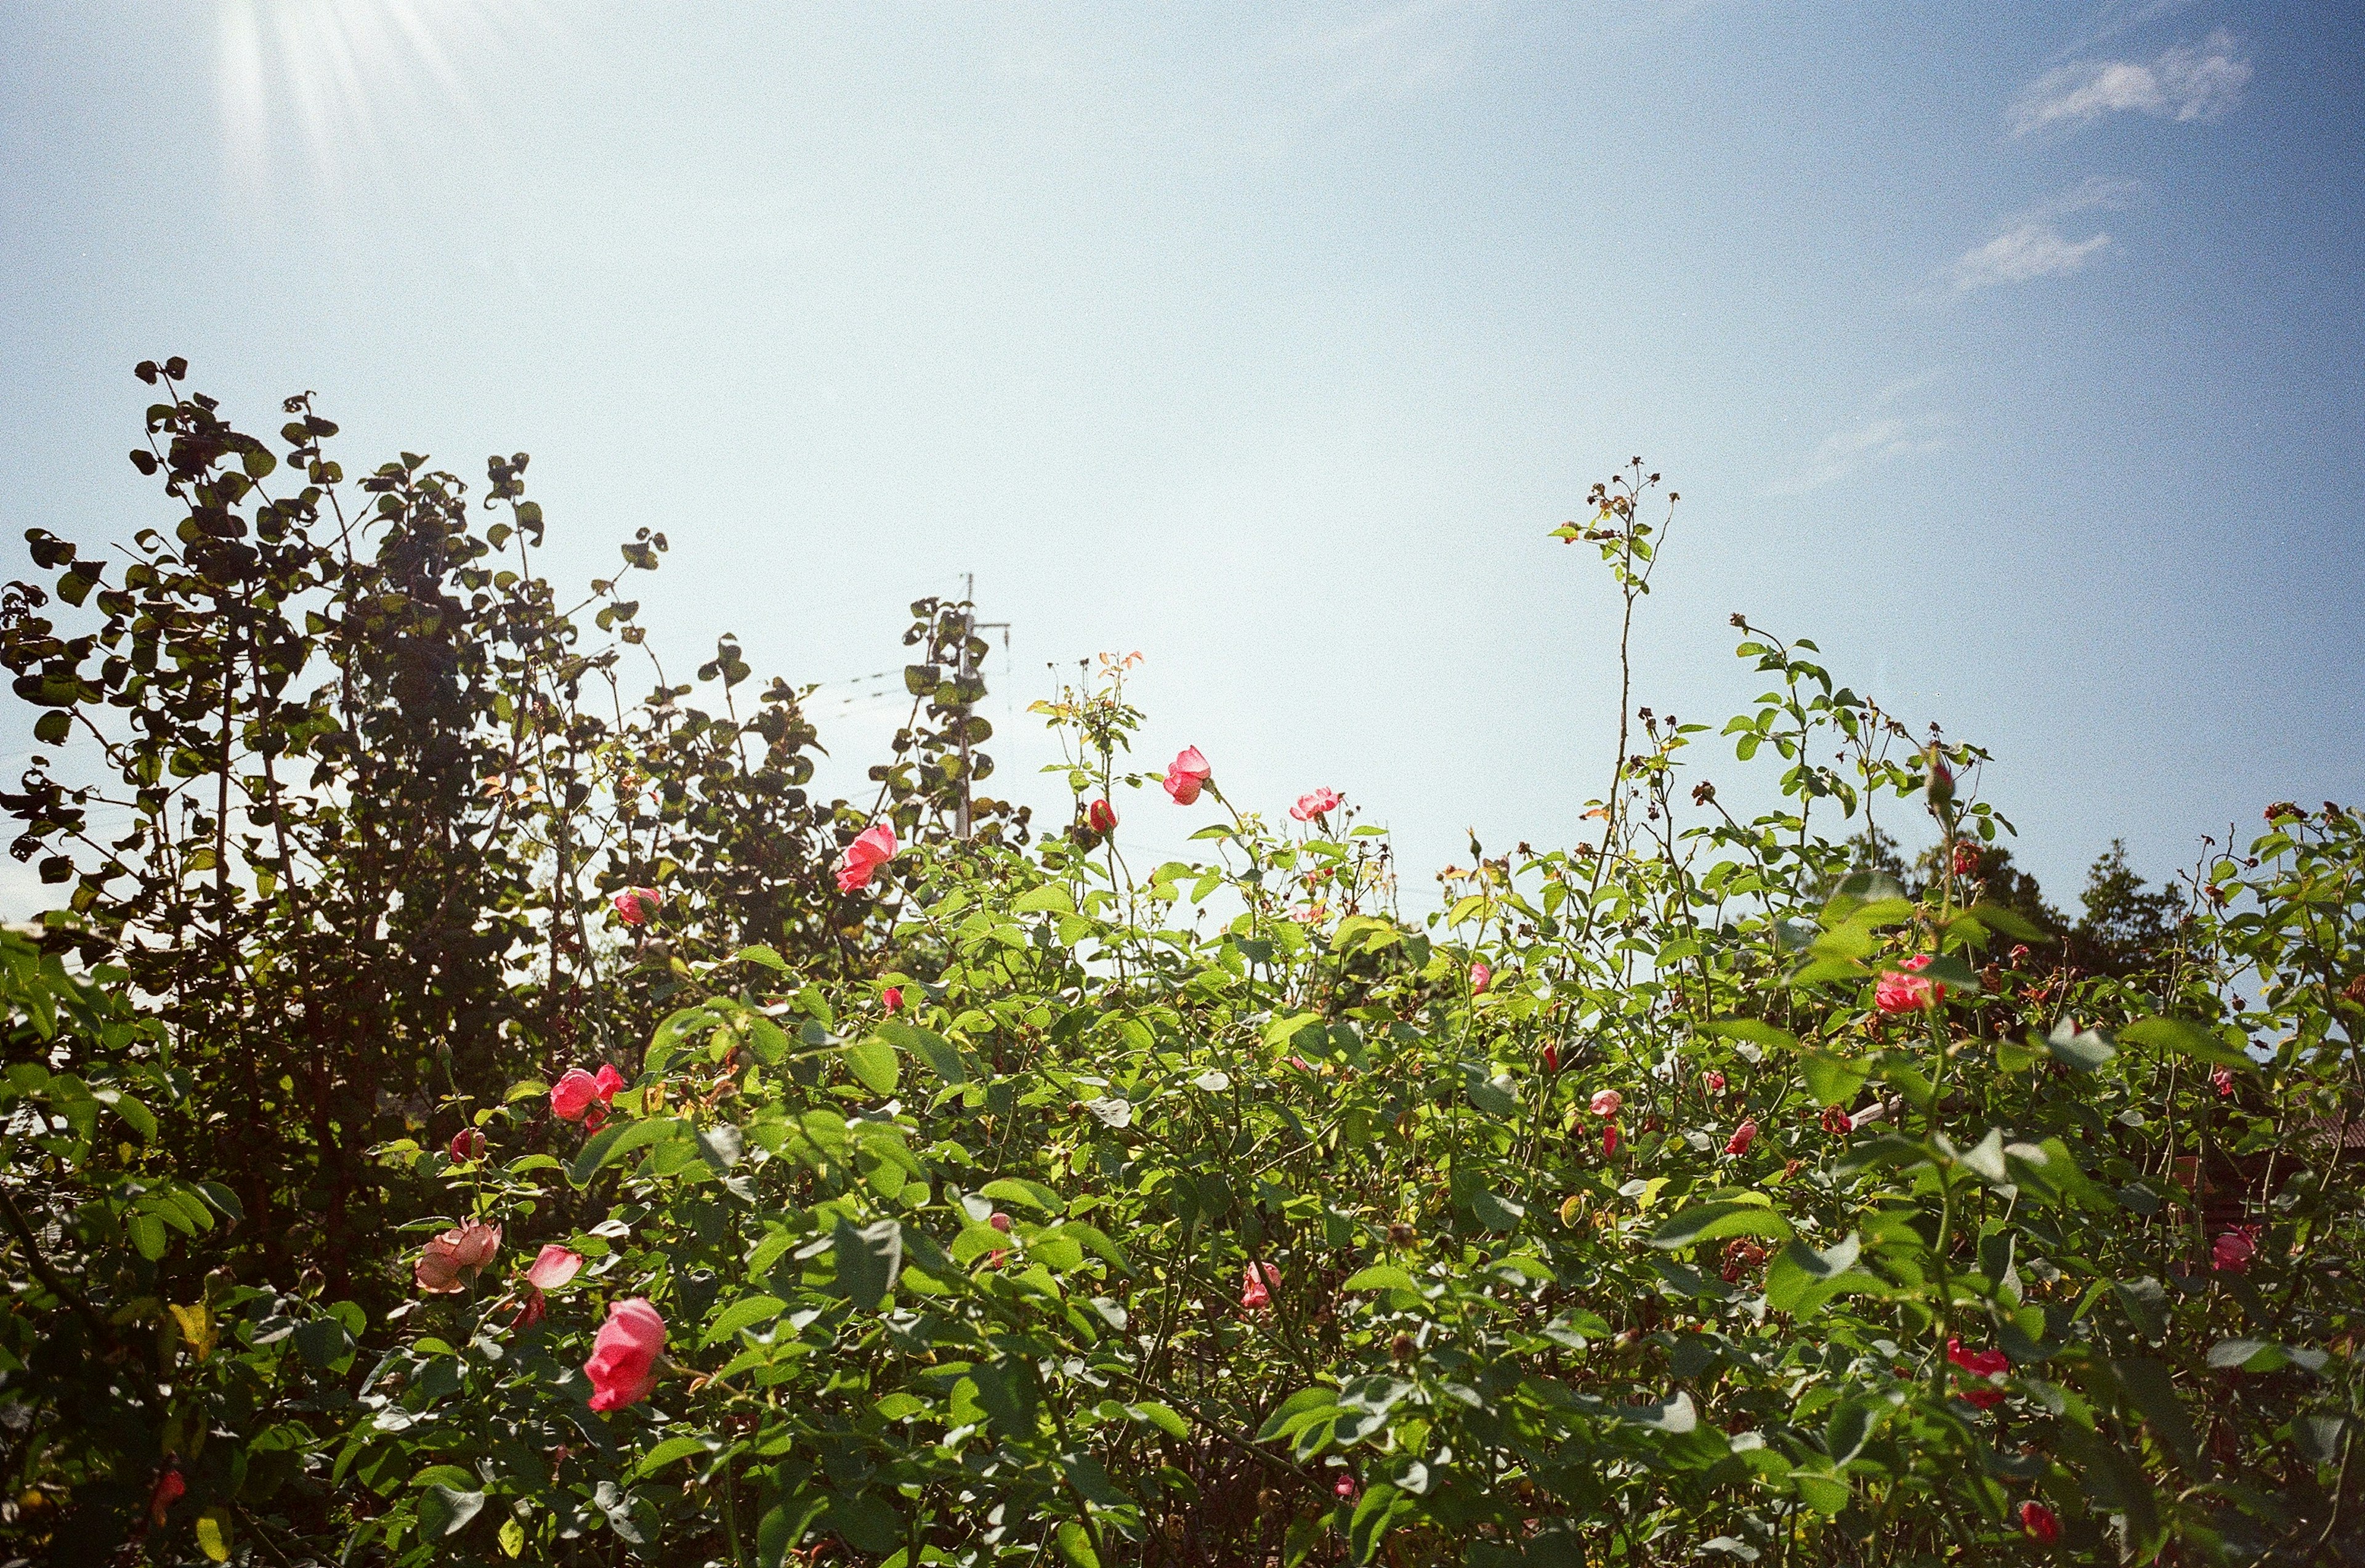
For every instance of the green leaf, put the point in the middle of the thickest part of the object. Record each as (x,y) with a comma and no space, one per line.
(445,1512)
(943,1057)
(2191,1039)
(869,1256)
(1832,1081)
(1858,889)
(1946,968)
(2144,1301)
(138,1117)
(1827,1494)
(2150,1385)
(148,1234)
(1850,1428)
(2010,922)
(1018,1189)
(1754,1031)
(1489,1094)
(1379,1507)
(1800,1279)
(783,1526)
(672,1449)
(1075,1545)
(1380,1277)
(763,956)
(1674,1415)
(322,1343)
(745,1313)
(1717,1220)
(614,1142)
(1164,1418)
(1305,1401)
(2262,1356)
(1495,1211)
(2085,1050)
(213,1533)
(873,1062)
(867,1523)
(1048,899)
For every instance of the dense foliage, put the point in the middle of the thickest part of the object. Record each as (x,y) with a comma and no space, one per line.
(748,1180)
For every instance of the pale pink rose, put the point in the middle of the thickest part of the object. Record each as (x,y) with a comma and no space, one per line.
(553,1266)
(2223,1080)
(1258,1281)
(1481,977)
(1186,776)
(622,1368)
(450,1263)
(1315,803)
(1608,1102)
(872,847)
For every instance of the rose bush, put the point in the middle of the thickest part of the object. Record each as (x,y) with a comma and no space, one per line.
(1714,1188)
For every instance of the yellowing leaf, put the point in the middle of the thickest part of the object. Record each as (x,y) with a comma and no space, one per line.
(213,1533)
(196,1327)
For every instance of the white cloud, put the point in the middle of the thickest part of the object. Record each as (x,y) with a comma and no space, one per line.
(2032,245)
(2028,251)
(2189,82)
(1876,435)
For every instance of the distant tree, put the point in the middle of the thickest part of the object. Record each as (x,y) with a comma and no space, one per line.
(2125,922)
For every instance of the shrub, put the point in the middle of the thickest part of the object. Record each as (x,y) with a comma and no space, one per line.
(1692,1192)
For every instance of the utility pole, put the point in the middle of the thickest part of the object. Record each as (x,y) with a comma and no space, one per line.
(970,627)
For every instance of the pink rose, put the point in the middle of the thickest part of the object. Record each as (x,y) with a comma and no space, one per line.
(1985,1365)
(1608,1102)
(553,1266)
(1836,1122)
(2231,1252)
(2223,1077)
(449,1263)
(635,906)
(1315,803)
(1481,977)
(893,999)
(169,1489)
(467,1144)
(1186,776)
(1743,1136)
(1906,992)
(1258,1281)
(622,1368)
(1610,1139)
(578,1091)
(872,848)
(1713,1080)
(1551,1058)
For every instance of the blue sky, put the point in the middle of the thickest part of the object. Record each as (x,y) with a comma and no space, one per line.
(2010,352)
